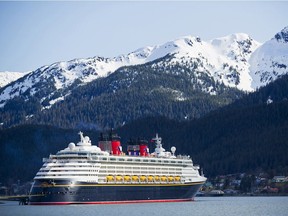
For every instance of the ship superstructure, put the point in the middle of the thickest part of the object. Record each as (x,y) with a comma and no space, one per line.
(85,173)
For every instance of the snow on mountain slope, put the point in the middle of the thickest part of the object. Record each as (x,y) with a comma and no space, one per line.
(187,50)
(8,77)
(237,48)
(235,60)
(225,59)
(63,75)
(270,60)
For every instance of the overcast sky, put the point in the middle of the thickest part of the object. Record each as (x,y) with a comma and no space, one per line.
(33,34)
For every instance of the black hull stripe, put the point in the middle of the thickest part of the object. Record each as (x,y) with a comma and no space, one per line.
(80,193)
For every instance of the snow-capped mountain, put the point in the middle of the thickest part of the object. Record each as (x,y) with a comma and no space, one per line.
(235,60)
(270,60)
(56,80)
(225,59)
(7,77)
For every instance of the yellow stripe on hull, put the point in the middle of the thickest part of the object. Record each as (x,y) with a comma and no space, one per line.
(125,184)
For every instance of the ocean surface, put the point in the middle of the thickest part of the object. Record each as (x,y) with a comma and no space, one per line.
(202,206)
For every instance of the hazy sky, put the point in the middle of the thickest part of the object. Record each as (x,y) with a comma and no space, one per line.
(33,34)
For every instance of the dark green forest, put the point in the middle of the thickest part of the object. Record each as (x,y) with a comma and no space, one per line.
(245,140)
(226,142)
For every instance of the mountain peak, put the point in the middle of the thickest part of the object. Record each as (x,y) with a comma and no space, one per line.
(282,36)
(235,41)
(234,37)
(239,36)
(269,61)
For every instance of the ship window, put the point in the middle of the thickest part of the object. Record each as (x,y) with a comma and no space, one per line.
(112,159)
(104,158)
(145,160)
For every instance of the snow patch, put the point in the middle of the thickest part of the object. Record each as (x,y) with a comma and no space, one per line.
(268,62)
(8,77)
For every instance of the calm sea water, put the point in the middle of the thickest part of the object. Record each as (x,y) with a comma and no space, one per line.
(202,206)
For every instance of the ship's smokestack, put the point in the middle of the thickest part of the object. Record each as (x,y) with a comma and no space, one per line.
(110,142)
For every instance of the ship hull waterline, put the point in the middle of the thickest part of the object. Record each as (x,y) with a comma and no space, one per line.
(85,193)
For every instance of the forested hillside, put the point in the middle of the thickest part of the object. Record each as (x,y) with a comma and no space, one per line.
(250,135)
(23,147)
(245,140)
(250,139)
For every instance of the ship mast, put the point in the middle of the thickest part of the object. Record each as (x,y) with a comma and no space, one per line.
(84,141)
(159,150)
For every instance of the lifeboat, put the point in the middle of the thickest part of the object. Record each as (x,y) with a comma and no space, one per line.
(118,178)
(127,178)
(177,178)
(135,178)
(142,178)
(109,178)
(170,178)
(150,178)
(163,178)
(156,178)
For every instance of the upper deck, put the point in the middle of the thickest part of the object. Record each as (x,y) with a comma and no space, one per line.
(89,163)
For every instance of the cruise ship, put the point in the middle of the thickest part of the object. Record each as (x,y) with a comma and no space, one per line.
(84,173)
